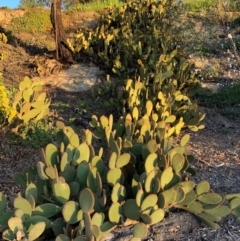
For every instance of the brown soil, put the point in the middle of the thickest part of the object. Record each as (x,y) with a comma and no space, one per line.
(216,148)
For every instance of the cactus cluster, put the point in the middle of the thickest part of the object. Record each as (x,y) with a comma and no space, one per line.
(136,40)
(76,193)
(71,192)
(29,102)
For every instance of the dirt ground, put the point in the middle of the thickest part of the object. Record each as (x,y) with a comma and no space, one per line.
(216,148)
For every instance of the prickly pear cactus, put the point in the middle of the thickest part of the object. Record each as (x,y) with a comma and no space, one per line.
(30,104)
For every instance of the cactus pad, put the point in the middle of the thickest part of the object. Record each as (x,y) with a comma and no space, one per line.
(140,230)
(114,213)
(86,200)
(131,210)
(202,187)
(71,212)
(36,230)
(47,210)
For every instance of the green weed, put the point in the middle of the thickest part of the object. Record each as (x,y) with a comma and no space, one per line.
(227,99)
(98,5)
(34,21)
(33,135)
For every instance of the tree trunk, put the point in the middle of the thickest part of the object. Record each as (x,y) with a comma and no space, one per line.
(63,52)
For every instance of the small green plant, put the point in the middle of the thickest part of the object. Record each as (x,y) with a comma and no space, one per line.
(33,135)
(226,100)
(96,5)
(33,21)
(199,5)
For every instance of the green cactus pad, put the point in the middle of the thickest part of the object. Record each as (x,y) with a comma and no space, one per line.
(150,181)
(195,207)
(202,187)
(20,214)
(114,147)
(82,153)
(50,171)
(36,230)
(112,160)
(62,237)
(82,173)
(88,225)
(74,140)
(104,121)
(221,211)
(167,198)
(70,149)
(36,219)
(229,197)
(8,235)
(19,179)
(81,239)
(41,170)
(234,203)
(114,213)
(103,199)
(99,184)
(187,186)
(107,227)
(151,162)
(86,200)
(152,146)
(135,113)
(175,181)
(131,209)
(24,205)
(210,198)
(98,219)
(185,139)
(31,190)
(114,176)
(98,163)
(157,216)
(170,119)
(236,211)
(118,193)
(5,217)
(123,160)
(211,217)
(140,197)
(51,153)
(180,194)
(92,179)
(146,218)
(166,177)
(3,202)
(64,161)
(74,188)
(156,185)
(178,161)
(47,210)
(71,212)
(58,225)
(149,202)
(189,198)
(69,173)
(61,192)
(15,224)
(208,222)
(140,230)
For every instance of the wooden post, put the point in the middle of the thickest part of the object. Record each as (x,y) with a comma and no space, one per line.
(63,52)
